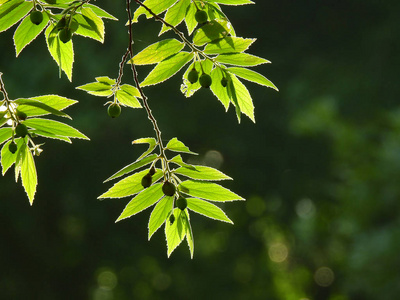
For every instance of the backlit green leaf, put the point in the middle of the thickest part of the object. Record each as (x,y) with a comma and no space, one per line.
(142,201)
(241,59)
(178,160)
(156,6)
(240,98)
(55,127)
(90,25)
(176,232)
(54,101)
(5,134)
(100,12)
(127,95)
(228,44)
(202,173)
(27,32)
(190,21)
(152,145)
(207,209)
(209,191)
(28,174)
(189,233)
(218,90)
(8,158)
(13,11)
(214,30)
(157,52)
(133,166)
(232,2)
(97,89)
(175,14)
(130,185)
(167,68)
(177,146)
(252,76)
(38,104)
(159,214)
(62,53)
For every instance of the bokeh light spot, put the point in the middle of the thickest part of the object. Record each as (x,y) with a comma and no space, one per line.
(305,208)
(107,280)
(278,252)
(213,158)
(324,276)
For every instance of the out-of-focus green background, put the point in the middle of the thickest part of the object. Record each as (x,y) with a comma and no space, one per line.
(320,169)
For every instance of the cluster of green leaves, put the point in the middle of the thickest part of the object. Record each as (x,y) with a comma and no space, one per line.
(197,190)
(20,126)
(60,20)
(214,47)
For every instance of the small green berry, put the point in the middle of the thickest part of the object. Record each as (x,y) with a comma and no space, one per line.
(61,24)
(65,35)
(13,147)
(168,188)
(114,110)
(201,16)
(152,171)
(181,202)
(205,80)
(21,115)
(171,219)
(193,76)
(147,181)
(21,130)
(36,17)
(224,82)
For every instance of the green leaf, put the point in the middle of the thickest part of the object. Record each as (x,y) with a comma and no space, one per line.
(63,53)
(218,90)
(52,136)
(240,98)
(106,80)
(167,68)
(175,14)
(54,101)
(178,160)
(90,25)
(176,232)
(250,75)
(228,44)
(214,30)
(156,6)
(207,209)
(142,201)
(202,173)
(28,174)
(100,12)
(208,191)
(27,32)
(100,89)
(5,134)
(13,11)
(157,52)
(189,233)
(190,20)
(133,166)
(241,59)
(152,145)
(232,2)
(159,214)
(8,158)
(127,95)
(177,146)
(41,105)
(55,127)
(130,185)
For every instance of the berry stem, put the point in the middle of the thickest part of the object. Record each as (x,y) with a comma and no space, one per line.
(164,160)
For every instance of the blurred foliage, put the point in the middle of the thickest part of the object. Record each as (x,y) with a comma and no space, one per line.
(319,169)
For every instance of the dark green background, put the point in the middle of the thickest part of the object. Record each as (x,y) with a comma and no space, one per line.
(319,169)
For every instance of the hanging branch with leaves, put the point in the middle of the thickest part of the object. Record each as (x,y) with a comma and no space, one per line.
(214,58)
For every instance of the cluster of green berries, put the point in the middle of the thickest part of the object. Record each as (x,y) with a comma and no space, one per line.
(66,27)
(114,110)
(205,80)
(20,130)
(147,179)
